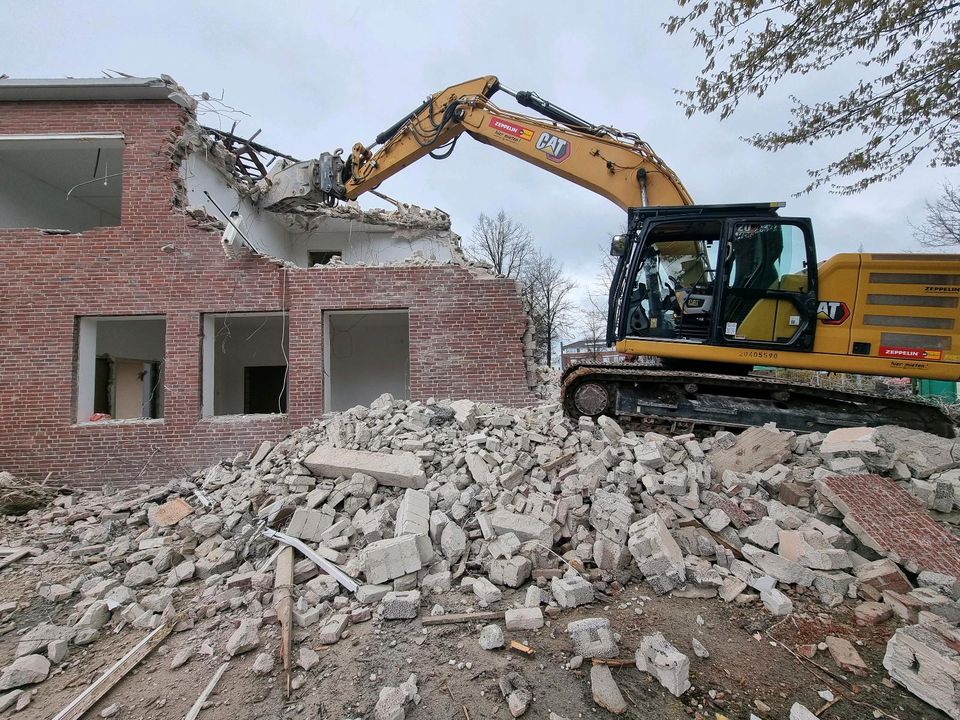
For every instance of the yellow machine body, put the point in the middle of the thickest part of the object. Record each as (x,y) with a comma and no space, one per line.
(880,314)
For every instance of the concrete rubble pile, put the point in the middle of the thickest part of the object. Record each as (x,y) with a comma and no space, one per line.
(18,496)
(443,504)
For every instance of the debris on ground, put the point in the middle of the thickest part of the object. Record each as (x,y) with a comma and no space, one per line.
(507,525)
(19,496)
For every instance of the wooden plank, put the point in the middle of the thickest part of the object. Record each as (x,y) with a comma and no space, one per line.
(519,647)
(198,705)
(463,618)
(615,662)
(557,462)
(283,605)
(103,684)
(14,556)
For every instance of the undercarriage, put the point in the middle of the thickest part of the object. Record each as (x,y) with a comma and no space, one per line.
(673,400)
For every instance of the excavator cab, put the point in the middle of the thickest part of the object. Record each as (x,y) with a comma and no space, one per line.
(734,275)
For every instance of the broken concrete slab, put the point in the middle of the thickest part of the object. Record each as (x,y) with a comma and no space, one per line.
(26,670)
(606,694)
(399,469)
(924,660)
(756,448)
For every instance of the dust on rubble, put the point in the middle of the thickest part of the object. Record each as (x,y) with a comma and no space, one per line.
(608,572)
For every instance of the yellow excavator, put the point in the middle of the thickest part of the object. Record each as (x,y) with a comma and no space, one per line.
(710,290)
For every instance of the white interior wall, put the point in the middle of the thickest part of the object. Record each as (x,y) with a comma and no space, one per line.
(124,338)
(366,354)
(359,242)
(28,202)
(372,248)
(231,343)
(264,232)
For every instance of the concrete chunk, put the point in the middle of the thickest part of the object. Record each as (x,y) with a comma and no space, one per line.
(922,658)
(524,527)
(606,694)
(401,605)
(26,670)
(401,469)
(668,665)
(491,637)
(389,559)
(524,619)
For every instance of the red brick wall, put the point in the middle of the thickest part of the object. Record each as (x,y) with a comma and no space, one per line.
(465,331)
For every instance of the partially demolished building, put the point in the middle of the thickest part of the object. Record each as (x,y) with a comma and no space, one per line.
(153,319)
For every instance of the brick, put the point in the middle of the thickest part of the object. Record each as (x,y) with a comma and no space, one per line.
(889,520)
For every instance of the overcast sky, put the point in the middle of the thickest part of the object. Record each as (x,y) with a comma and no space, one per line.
(317,76)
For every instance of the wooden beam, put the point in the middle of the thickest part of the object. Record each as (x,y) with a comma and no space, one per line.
(283,605)
(463,618)
(103,684)
(14,556)
(198,705)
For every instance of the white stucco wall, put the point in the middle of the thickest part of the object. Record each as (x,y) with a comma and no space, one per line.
(261,228)
(283,237)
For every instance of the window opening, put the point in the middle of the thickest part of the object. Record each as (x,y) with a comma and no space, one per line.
(322,257)
(245,368)
(120,364)
(61,182)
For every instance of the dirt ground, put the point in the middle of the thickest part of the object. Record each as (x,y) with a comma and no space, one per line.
(457,679)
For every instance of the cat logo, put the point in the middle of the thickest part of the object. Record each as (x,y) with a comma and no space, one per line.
(556,148)
(832,313)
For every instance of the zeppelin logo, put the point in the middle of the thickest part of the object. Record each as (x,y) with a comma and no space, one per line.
(508,128)
(942,288)
(910,353)
(832,313)
(556,148)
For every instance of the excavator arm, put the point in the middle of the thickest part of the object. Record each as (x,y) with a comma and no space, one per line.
(619,166)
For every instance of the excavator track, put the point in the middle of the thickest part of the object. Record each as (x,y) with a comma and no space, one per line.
(667,399)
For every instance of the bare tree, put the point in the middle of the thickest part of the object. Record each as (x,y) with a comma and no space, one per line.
(941,226)
(548,292)
(502,242)
(592,325)
(904,101)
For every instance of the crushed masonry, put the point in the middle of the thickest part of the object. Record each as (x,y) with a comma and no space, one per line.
(522,518)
